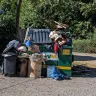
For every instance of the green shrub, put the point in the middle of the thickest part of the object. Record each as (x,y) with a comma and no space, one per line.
(87,46)
(7,33)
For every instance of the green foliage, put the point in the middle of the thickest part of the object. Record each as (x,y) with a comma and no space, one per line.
(88,10)
(81,45)
(93,40)
(58,10)
(82,29)
(26,14)
(78,14)
(7,22)
(87,46)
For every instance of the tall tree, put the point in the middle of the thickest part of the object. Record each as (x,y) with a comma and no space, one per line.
(18,14)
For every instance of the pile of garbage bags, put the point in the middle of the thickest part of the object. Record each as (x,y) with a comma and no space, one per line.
(15,49)
(28,50)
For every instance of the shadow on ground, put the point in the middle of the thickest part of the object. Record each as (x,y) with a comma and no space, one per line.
(83,58)
(83,71)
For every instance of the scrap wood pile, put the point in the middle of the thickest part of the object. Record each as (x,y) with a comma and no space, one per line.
(81,70)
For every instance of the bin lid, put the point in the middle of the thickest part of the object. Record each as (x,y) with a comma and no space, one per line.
(39,36)
(7,49)
(9,54)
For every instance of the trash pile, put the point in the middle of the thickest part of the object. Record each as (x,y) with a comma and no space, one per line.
(27,59)
(37,57)
(60,40)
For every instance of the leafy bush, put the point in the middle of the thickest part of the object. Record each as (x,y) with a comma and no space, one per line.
(80,45)
(87,46)
(7,22)
(83,30)
(7,32)
(80,15)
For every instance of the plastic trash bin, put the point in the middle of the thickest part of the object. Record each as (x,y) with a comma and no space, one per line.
(10,64)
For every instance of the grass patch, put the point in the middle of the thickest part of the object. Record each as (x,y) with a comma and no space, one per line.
(86,46)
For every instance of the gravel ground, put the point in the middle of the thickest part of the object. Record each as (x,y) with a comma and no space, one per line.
(77,86)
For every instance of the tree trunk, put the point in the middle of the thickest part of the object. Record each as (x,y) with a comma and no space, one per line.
(18,14)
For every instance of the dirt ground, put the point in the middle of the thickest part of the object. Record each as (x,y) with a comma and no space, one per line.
(85,59)
(77,86)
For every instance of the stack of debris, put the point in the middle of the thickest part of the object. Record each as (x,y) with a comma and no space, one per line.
(20,61)
(35,65)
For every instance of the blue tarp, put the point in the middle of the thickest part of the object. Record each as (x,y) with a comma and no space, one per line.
(57,74)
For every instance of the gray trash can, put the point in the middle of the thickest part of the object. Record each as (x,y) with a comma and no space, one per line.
(10,64)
